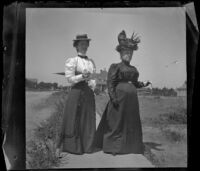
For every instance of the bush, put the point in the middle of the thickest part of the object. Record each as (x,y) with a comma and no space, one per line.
(41,154)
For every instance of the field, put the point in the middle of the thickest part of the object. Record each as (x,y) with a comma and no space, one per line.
(165,130)
(164,122)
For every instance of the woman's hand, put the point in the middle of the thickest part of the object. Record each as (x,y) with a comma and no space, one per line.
(86,74)
(58,152)
(147,83)
(115,103)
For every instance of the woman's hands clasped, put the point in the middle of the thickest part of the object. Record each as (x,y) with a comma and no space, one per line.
(86,75)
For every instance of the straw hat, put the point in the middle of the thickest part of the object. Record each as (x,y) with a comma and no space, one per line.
(79,38)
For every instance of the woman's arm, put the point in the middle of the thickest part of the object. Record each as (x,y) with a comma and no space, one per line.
(112,83)
(140,84)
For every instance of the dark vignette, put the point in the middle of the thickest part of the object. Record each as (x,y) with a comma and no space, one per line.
(13,83)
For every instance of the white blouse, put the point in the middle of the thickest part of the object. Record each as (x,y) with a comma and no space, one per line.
(79,64)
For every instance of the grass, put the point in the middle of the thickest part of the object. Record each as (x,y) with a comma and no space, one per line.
(167,119)
(169,123)
(173,135)
(165,112)
(41,151)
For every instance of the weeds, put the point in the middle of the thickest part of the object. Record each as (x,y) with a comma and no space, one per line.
(170,122)
(173,135)
(178,116)
(151,156)
(41,151)
(41,154)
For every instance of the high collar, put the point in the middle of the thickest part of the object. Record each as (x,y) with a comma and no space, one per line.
(125,62)
(83,56)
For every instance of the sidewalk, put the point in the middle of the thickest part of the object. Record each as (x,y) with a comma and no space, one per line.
(102,160)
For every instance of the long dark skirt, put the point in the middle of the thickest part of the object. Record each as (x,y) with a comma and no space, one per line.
(120,131)
(79,124)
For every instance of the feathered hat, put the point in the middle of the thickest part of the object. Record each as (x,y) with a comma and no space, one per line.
(127,43)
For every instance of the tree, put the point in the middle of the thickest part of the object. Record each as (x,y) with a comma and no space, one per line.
(55,85)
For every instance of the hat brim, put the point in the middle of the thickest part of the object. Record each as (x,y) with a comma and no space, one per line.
(120,48)
(81,39)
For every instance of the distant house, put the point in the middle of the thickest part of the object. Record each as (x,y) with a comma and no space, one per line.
(101,80)
(182,91)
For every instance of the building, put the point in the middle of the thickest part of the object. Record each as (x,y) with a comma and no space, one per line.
(101,80)
(182,91)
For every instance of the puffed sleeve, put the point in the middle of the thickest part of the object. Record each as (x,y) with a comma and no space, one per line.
(112,81)
(70,67)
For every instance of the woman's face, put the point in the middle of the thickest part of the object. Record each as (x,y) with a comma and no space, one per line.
(126,54)
(82,46)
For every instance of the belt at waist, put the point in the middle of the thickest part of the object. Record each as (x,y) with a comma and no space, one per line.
(130,82)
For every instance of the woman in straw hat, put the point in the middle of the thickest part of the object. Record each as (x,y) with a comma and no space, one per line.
(78,124)
(120,131)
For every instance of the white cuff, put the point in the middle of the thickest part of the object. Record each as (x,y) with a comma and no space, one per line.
(75,79)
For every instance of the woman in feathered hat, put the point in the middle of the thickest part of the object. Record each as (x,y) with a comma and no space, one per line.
(120,131)
(79,124)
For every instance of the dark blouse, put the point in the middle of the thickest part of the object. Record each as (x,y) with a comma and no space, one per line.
(122,72)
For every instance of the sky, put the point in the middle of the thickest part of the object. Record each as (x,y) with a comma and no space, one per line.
(50,33)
